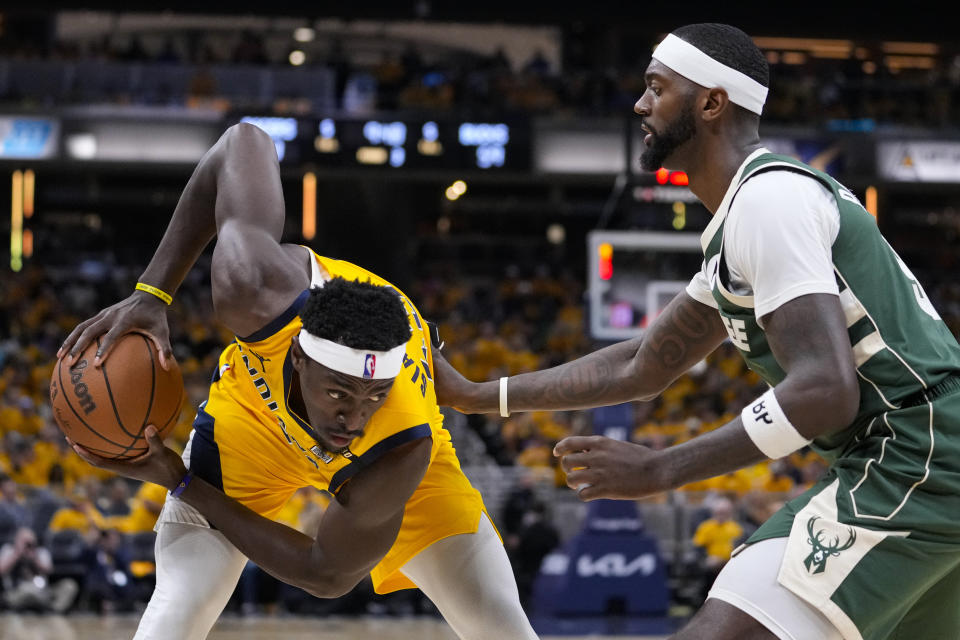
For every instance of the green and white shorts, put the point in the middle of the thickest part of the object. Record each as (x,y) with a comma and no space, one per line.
(875,545)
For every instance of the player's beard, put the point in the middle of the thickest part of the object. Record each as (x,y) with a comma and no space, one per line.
(665,143)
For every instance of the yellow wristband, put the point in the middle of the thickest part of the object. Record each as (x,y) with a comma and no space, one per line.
(163,295)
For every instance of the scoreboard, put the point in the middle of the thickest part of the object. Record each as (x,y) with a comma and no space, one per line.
(391,143)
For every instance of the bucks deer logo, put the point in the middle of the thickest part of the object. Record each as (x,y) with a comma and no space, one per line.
(816,562)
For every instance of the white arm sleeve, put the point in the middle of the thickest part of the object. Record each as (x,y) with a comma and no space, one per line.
(777,239)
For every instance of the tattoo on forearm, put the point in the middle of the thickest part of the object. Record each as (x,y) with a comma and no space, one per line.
(612,375)
(582,382)
(670,349)
(587,382)
(684,324)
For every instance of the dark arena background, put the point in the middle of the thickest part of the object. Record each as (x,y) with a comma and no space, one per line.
(483,157)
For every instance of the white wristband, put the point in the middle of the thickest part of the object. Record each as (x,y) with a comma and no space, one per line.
(768,427)
(504,412)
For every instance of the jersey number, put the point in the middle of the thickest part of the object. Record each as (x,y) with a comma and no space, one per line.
(922,300)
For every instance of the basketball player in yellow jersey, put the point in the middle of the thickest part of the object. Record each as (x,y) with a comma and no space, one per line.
(329,383)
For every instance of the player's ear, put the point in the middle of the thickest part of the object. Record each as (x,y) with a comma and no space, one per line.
(297,356)
(716,103)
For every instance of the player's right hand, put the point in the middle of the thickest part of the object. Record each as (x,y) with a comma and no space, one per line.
(600,467)
(160,464)
(140,312)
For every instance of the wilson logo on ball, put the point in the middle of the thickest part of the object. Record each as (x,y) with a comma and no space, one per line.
(80,387)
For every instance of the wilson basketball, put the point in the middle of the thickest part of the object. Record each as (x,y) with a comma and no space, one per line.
(106,409)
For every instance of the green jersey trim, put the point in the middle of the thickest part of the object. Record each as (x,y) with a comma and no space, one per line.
(883,451)
(877,343)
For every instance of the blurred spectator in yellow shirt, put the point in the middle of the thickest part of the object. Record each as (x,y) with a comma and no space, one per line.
(14,512)
(488,352)
(717,534)
(50,446)
(145,508)
(18,411)
(116,501)
(779,480)
(738,482)
(520,359)
(22,463)
(550,425)
(79,514)
(76,470)
(536,454)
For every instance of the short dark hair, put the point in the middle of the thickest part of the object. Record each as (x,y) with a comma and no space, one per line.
(356,314)
(728,45)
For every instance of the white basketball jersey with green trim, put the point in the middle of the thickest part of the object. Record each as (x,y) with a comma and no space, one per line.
(900,345)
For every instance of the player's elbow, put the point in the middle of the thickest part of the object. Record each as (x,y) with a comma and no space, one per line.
(645,396)
(329,586)
(634,375)
(238,143)
(843,389)
(240,139)
(835,399)
(244,133)
(320,578)
(848,400)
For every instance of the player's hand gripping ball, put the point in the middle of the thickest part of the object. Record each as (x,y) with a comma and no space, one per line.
(105,409)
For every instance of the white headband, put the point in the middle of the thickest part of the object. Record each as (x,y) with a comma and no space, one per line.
(375,365)
(695,65)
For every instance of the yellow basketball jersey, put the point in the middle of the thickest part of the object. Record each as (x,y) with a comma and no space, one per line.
(248,442)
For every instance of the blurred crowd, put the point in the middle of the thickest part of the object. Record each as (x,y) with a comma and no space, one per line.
(860,91)
(72,536)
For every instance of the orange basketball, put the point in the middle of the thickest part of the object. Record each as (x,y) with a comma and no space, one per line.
(106,409)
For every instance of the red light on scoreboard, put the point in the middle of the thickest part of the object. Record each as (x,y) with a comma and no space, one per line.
(605,261)
(676,178)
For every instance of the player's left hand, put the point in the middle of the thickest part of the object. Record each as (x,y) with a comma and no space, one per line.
(159,465)
(599,467)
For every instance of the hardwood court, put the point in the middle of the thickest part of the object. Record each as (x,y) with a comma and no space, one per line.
(88,627)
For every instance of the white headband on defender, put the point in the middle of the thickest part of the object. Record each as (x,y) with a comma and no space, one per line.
(372,365)
(695,65)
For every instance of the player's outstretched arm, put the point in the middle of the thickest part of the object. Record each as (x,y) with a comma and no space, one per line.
(639,369)
(234,189)
(355,533)
(819,395)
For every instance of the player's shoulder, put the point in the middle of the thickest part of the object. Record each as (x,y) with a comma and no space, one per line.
(777,185)
(781,197)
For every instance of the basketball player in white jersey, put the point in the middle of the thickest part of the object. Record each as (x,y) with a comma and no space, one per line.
(861,368)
